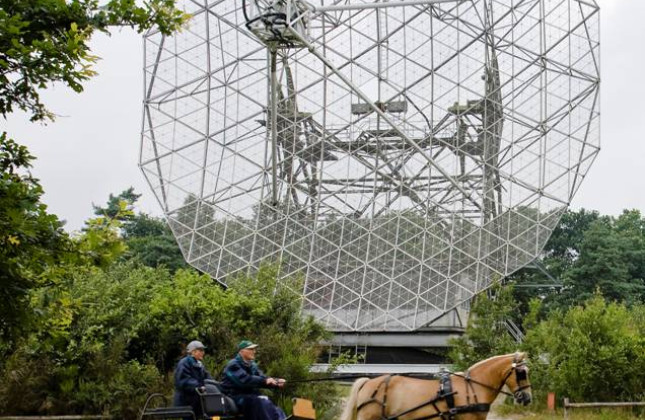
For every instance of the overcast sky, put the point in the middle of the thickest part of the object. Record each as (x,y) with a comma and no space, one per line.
(92,148)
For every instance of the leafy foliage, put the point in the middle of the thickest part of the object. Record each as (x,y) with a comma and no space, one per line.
(100,243)
(143,225)
(591,352)
(32,241)
(156,251)
(120,206)
(109,336)
(151,242)
(612,260)
(46,41)
(486,334)
(118,233)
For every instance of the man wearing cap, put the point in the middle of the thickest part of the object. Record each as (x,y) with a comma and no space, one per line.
(190,375)
(242,380)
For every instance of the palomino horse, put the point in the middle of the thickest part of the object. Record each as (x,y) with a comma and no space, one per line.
(460,396)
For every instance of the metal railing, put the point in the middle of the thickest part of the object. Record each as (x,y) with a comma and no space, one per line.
(514,330)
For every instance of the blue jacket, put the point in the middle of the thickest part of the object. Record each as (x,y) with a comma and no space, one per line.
(189,374)
(242,377)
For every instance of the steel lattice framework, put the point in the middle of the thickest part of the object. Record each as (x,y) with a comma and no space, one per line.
(397,156)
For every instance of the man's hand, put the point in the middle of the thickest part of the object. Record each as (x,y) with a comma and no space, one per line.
(279,382)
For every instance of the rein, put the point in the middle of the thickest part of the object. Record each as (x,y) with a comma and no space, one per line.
(499,390)
(429,376)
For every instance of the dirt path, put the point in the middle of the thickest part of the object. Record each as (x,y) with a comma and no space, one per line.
(493,412)
(493,416)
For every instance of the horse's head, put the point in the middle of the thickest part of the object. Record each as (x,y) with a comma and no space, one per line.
(517,379)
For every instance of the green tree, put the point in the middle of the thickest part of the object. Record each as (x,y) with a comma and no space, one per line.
(559,254)
(32,241)
(101,244)
(611,260)
(131,236)
(115,205)
(46,41)
(587,252)
(151,242)
(631,226)
(567,237)
(143,225)
(486,334)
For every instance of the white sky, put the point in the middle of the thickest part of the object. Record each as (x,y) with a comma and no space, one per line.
(92,148)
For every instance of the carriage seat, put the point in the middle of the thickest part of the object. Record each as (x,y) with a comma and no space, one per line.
(215,402)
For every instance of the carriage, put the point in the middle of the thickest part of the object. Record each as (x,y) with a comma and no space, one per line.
(466,396)
(215,405)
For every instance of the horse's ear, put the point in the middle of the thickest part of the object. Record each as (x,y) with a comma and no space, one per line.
(519,356)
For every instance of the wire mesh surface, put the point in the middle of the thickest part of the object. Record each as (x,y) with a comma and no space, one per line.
(402,159)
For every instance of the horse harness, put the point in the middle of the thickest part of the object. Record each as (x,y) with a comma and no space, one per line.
(447,394)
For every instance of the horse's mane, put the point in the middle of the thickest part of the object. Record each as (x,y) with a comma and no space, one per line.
(481,362)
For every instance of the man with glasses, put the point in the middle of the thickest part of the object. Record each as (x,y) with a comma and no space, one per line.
(242,380)
(190,374)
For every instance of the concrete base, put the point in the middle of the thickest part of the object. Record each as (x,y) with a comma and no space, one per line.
(417,339)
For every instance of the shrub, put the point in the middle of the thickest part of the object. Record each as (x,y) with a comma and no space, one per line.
(109,337)
(592,352)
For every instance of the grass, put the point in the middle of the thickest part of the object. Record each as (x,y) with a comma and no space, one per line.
(521,413)
(510,411)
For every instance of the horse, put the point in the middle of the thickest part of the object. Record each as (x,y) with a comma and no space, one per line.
(463,396)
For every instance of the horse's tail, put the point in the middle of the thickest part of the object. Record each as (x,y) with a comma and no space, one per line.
(349,413)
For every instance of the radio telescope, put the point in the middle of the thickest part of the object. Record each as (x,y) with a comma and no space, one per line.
(398,156)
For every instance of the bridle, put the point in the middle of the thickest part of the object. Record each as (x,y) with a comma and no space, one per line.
(519,367)
(521,374)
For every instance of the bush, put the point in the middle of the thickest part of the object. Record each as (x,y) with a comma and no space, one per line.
(593,352)
(109,337)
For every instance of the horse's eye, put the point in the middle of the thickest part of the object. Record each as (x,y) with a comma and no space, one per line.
(521,375)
